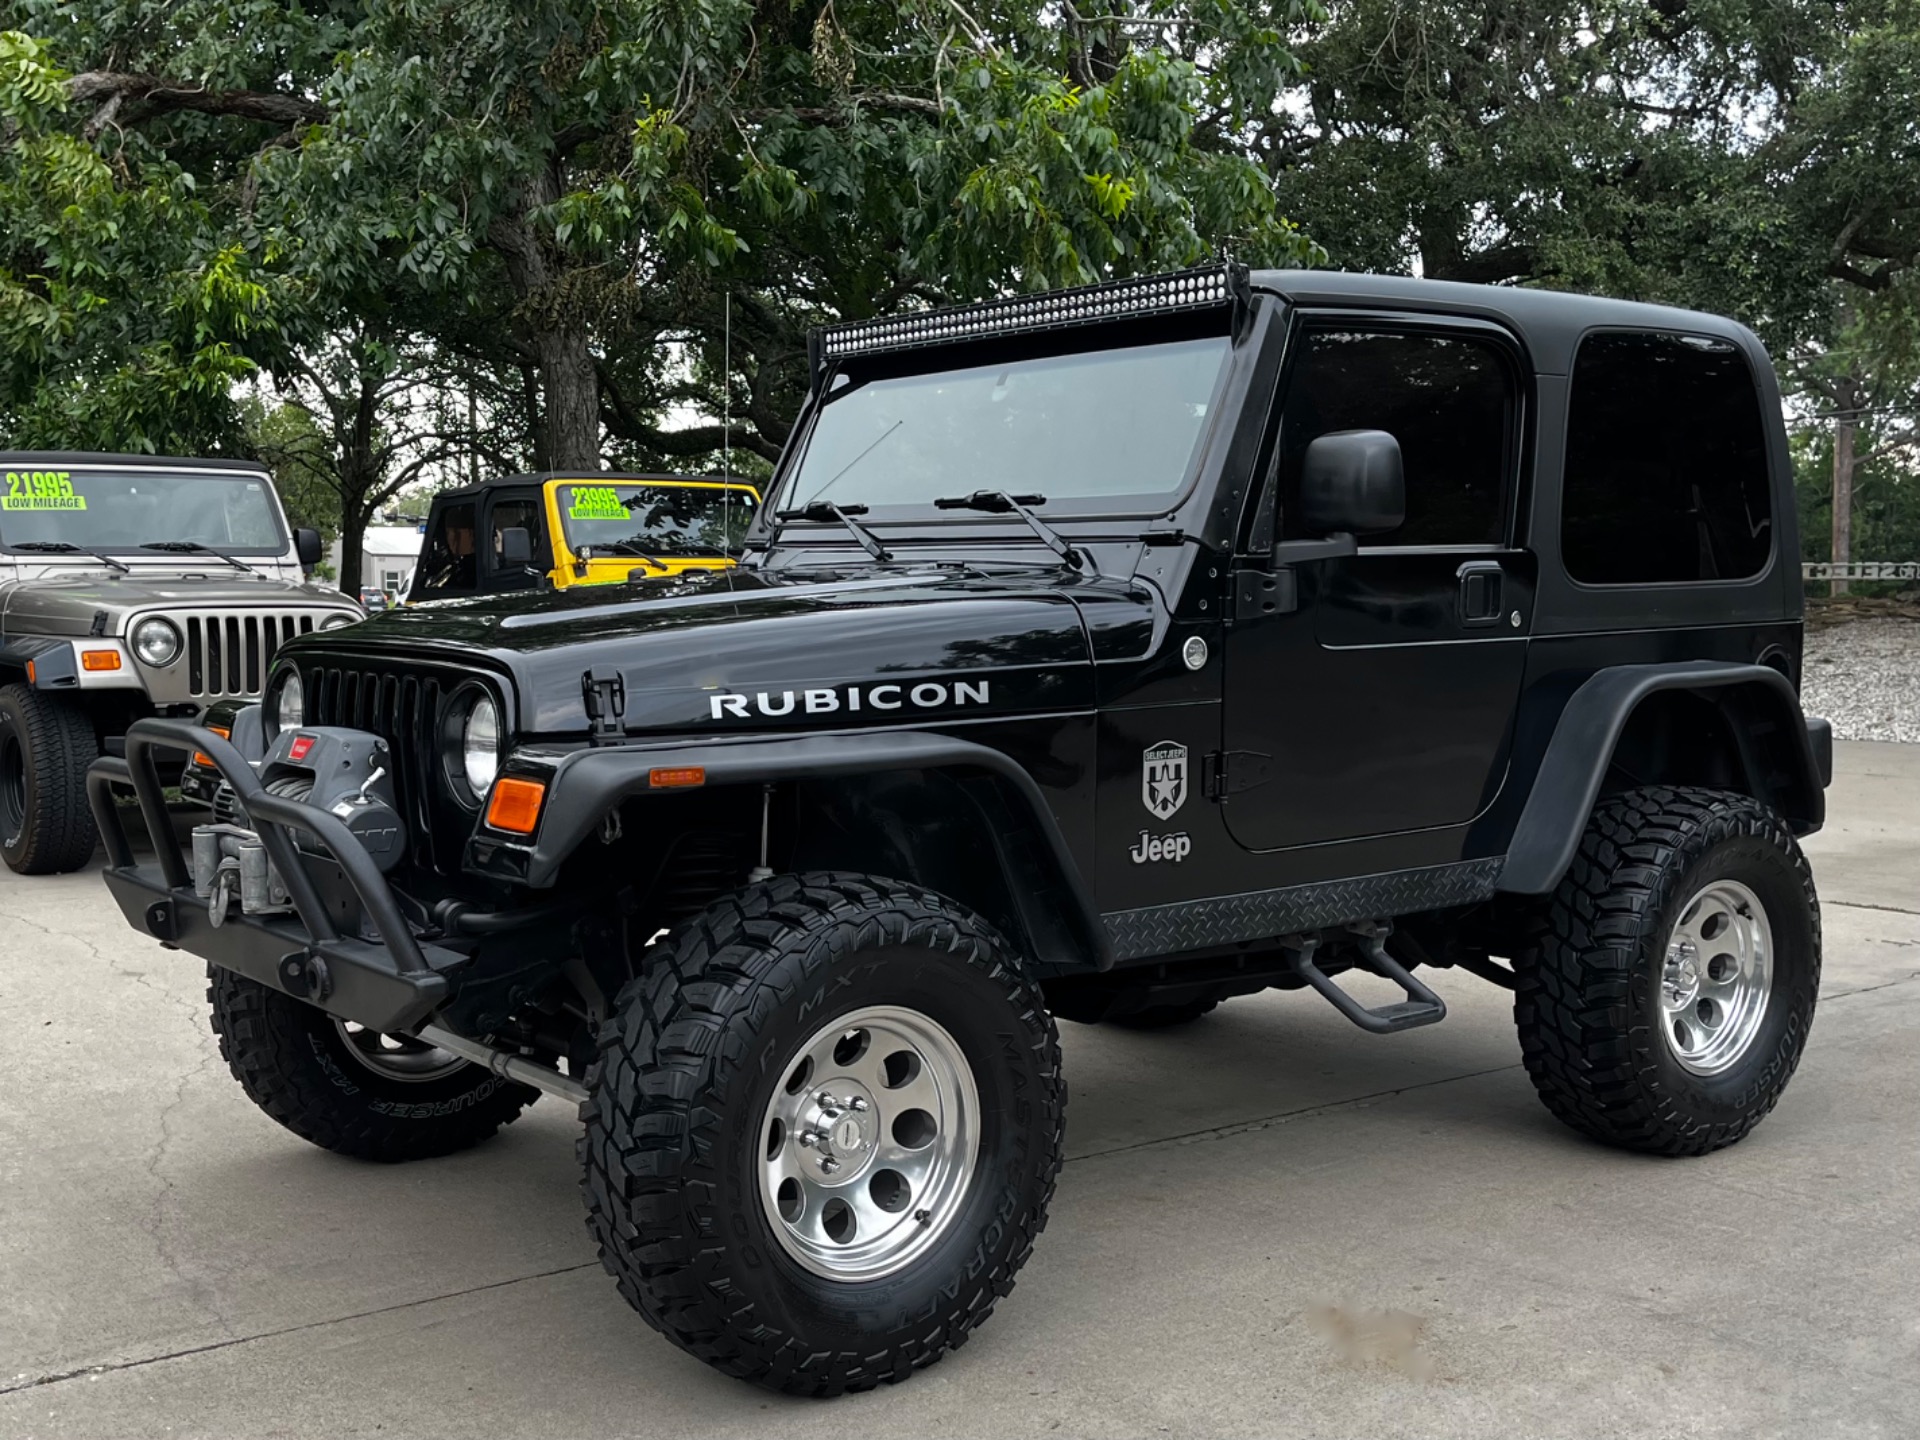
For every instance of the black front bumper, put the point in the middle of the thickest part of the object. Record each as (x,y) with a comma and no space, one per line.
(393,983)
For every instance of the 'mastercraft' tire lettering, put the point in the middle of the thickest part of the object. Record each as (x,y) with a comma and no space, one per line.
(829,700)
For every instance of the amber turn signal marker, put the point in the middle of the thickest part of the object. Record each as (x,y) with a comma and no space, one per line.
(675,779)
(515,805)
(30,675)
(99,659)
(200,757)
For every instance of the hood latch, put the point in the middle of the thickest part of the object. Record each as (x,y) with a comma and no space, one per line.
(605,694)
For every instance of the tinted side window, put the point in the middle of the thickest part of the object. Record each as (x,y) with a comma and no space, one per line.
(1449,401)
(1666,463)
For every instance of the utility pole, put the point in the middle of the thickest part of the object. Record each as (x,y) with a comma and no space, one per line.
(1846,424)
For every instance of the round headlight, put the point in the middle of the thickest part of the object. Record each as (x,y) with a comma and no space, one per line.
(156,642)
(480,746)
(290,705)
(334,622)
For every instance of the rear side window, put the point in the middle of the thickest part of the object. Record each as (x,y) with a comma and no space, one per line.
(1666,478)
(1448,400)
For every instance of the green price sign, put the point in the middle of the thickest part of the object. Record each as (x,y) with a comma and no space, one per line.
(596,502)
(41,490)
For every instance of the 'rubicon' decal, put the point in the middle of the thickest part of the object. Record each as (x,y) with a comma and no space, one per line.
(847,699)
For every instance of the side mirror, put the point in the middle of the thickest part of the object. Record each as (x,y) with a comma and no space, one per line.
(516,547)
(307,547)
(1352,483)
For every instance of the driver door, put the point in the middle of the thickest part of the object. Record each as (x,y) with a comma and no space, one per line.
(1383,701)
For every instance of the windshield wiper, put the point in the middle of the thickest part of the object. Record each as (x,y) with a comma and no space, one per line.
(194,547)
(825,512)
(999,502)
(621,547)
(67,547)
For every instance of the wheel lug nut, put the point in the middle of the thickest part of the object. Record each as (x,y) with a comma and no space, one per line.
(857,1105)
(810,1138)
(826,1101)
(828,1164)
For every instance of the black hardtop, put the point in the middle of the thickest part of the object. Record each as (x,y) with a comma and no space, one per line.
(130,462)
(1549,322)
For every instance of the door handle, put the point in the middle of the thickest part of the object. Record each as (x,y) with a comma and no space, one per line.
(1482,592)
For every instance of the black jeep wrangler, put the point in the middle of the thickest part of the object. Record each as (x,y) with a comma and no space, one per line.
(1101,654)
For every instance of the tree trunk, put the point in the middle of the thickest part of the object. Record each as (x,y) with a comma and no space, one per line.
(1844,429)
(353,531)
(573,400)
(570,387)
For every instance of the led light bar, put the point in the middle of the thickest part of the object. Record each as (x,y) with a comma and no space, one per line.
(1183,290)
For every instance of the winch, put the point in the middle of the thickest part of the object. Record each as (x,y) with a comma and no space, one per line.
(344,772)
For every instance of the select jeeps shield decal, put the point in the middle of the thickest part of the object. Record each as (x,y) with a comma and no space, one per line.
(1163,779)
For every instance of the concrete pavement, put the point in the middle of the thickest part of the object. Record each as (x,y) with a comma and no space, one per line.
(1270,1224)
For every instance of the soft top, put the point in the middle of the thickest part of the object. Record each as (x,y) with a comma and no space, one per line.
(126,462)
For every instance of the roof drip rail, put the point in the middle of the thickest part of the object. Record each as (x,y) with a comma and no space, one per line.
(1225,284)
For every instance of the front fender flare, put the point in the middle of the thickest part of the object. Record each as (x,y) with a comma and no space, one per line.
(1576,760)
(585,784)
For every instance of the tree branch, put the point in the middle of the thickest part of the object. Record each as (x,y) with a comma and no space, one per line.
(111,90)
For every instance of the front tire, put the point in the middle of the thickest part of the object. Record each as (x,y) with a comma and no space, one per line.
(1666,992)
(46,745)
(349,1090)
(728,1080)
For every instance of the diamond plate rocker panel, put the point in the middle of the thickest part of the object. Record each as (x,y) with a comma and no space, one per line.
(1265,914)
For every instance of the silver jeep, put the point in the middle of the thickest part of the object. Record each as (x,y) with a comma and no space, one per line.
(130,586)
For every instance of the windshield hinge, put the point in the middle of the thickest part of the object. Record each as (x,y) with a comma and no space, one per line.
(1228,772)
(605,694)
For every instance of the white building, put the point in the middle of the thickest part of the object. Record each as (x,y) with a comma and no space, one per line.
(387,556)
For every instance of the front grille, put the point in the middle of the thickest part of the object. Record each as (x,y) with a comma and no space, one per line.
(230,652)
(404,710)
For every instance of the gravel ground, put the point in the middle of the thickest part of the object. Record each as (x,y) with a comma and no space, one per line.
(1864,676)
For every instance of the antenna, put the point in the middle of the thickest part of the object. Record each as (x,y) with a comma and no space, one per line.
(726,422)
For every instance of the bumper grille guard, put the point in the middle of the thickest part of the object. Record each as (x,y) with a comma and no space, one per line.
(390,984)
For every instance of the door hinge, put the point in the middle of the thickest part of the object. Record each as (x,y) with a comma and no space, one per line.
(1228,772)
(605,695)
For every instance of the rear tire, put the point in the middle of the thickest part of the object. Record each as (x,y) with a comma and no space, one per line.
(46,745)
(1665,993)
(345,1090)
(763,1020)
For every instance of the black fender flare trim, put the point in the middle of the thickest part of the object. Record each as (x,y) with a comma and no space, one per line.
(586,784)
(54,669)
(1575,764)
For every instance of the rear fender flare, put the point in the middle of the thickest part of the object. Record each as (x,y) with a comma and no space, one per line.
(1587,735)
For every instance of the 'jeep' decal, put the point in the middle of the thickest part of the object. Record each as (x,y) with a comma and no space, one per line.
(848,699)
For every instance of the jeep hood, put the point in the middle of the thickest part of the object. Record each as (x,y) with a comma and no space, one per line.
(67,604)
(772,650)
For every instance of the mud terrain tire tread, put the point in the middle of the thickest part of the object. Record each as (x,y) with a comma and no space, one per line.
(1591,1066)
(59,834)
(287,1057)
(675,1056)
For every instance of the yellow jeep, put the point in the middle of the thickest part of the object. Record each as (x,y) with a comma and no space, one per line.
(571,528)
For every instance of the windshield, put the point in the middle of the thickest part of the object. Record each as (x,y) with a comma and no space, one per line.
(1097,426)
(655,519)
(123,510)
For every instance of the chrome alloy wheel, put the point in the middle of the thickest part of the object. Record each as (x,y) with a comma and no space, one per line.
(397,1057)
(868,1144)
(1716,977)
